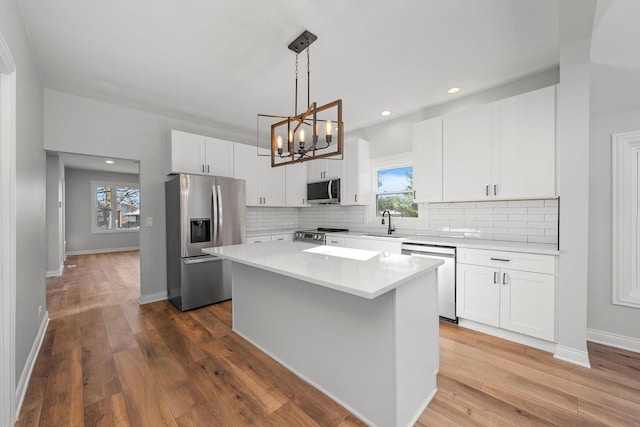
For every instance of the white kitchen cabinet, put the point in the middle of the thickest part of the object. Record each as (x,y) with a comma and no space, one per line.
(477,294)
(296,185)
(325,168)
(355,185)
(332,240)
(282,237)
(504,150)
(245,163)
(466,154)
(265,186)
(427,160)
(512,291)
(259,239)
(197,154)
(524,148)
(271,183)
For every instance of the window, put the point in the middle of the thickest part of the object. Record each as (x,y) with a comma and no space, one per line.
(395,192)
(115,207)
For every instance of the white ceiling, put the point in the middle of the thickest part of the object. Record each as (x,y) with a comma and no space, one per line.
(221,62)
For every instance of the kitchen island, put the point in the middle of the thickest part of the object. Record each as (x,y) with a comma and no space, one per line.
(361,326)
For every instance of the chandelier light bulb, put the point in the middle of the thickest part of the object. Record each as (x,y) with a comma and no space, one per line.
(301,136)
(328,127)
(279,142)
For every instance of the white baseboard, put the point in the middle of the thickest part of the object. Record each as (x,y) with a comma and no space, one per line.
(102,251)
(149,298)
(614,340)
(55,273)
(572,355)
(21,388)
(509,335)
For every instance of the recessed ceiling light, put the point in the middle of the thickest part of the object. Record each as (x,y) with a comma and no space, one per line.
(109,162)
(454,89)
(385,113)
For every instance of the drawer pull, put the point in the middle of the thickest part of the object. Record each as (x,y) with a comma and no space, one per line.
(500,259)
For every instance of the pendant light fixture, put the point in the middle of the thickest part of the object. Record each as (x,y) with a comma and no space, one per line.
(289,135)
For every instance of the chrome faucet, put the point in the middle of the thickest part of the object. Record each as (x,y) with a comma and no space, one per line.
(390,229)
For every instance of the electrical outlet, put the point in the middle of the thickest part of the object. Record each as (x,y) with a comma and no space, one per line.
(39,311)
(149,221)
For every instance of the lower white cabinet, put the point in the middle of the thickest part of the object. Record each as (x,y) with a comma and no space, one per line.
(491,292)
(282,237)
(279,237)
(335,241)
(259,239)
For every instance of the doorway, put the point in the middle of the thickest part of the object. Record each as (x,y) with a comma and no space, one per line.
(93,206)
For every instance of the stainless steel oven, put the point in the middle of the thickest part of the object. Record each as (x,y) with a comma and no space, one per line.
(317,236)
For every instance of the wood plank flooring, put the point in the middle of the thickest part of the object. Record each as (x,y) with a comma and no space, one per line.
(106,361)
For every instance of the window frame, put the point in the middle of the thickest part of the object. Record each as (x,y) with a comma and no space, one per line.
(391,162)
(94,220)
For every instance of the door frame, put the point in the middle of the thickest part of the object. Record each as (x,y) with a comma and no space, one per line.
(7,235)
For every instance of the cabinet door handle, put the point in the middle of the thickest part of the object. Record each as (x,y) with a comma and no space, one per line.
(504,278)
(355,198)
(500,259)
(207,168)
(495,277)
(202,168)
(487,190)
(495,189)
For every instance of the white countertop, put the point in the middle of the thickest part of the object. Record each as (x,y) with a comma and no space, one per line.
(368,279)
(498,245)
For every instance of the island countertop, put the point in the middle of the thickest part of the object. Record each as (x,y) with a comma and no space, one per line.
(331,267)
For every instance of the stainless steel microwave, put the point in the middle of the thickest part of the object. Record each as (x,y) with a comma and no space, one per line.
(324,192)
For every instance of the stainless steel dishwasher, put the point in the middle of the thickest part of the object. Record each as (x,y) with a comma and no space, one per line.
(446,274)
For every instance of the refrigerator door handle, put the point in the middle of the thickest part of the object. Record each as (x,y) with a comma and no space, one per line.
(219,222)
(214,215)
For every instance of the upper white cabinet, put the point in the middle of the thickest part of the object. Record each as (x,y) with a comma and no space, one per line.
(245,162)
(524,136)
(427,165)
(264,184)
(466,154)
(504,150)
(355,185)
(296,184)
(326,168)
(197,154)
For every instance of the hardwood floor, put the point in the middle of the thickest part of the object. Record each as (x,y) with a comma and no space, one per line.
(106,361)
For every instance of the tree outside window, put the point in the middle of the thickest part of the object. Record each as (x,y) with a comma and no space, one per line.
(395,192)
(117,206)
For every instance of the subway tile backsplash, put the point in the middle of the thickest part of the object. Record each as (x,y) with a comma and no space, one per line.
(271,219)
(533,221)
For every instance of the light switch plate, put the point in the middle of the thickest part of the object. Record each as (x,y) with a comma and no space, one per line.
(148,221)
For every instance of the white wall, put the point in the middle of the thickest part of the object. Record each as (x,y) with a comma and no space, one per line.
(79,236)
(75,124)
(603,316)
(55,234)
(30,186)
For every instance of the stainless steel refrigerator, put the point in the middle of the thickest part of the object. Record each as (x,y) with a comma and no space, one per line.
(201,212)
